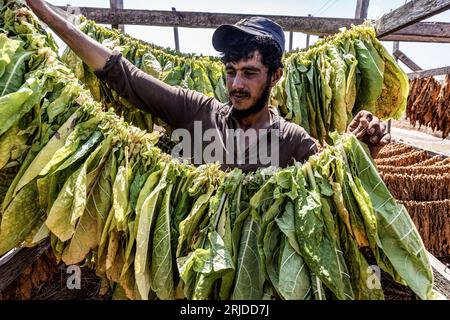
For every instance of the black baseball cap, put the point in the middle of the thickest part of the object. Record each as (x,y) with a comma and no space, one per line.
(257,26)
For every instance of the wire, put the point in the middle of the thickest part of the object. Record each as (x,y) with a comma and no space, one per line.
(324,5)
(326,9)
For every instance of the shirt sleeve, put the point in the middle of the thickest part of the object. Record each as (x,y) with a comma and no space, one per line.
(174,105)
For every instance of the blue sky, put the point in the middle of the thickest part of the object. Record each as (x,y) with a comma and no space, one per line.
(426,55)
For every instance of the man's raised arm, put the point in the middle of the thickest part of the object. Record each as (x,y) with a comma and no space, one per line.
(91,52)
(175,106)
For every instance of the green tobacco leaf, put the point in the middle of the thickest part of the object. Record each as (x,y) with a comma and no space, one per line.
(72,145)
(82,151)
(121,194)
(161,261)
(393,100)
(13,60)
(200,78)
(294,277)
(10,143)
(268,219)
(101,196)
(339,86)
(212,264)
(187,274)
(14,73)
(10,106)
(19,218)
(8,47)
(286,223)
(143,242)
(189,225)
(67,95)
(59,217)
(149,185)
(249,278)
(44,156)
(272,246)
(151,65)
(86,236)
(363,284)
(371,78)
(71,203)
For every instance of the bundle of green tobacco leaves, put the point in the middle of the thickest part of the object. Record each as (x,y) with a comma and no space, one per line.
(157,228)
(324,87)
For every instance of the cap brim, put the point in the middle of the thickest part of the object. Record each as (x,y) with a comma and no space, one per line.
(227,32)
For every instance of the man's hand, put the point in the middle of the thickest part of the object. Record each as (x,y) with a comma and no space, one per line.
(368,128)
(90,51)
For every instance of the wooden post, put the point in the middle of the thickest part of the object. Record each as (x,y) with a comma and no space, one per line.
(308,36)
(291,39)
(395,48)
(175,35)
(362,8)
(117,4)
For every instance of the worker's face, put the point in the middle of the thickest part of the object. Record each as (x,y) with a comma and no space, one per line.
(249,84)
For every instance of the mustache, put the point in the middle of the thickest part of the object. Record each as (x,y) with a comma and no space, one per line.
(240,93)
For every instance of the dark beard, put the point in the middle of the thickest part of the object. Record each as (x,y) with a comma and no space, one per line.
(257,107)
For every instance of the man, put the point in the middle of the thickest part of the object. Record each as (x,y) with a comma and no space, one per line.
(251,51)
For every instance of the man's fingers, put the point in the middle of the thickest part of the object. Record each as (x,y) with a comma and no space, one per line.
(385,140)
(374,126)
(375,139)
(361,130)
(356,121)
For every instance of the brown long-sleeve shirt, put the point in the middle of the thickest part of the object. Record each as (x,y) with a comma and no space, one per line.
(201,120)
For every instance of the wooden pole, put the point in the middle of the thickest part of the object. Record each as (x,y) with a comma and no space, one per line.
(117,4)
(291,39)
(362,8)
(175,35)
(308,36)
(400,55)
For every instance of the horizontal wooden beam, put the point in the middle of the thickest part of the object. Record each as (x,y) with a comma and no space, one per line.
(429,73)
(187,19)
(437,32)
(408,14)
(400,55)
(421,32)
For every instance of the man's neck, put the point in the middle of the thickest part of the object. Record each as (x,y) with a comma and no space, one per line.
(260,120)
